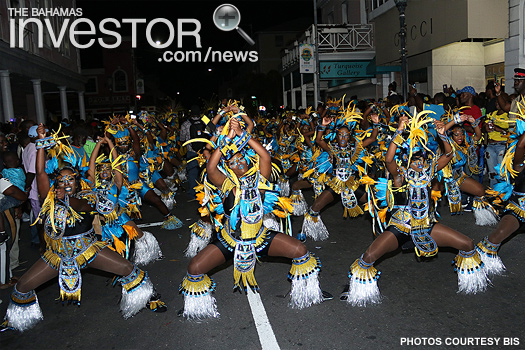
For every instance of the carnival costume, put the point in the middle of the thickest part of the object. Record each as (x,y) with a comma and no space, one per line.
(286,154)
(410,218)
(454,175)
(344,179)
(509,193)
(71,245)
(238,218)
(118,231)
(312,164)
(132,175)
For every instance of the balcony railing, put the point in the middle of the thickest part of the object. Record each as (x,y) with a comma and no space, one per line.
(334,38)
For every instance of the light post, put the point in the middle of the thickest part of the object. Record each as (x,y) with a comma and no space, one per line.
(401,6)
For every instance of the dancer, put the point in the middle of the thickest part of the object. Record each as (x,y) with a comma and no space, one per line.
(239,167)
(456,180)
(412,168)
(510,190)
(348,153)
(105,177)
(67,214)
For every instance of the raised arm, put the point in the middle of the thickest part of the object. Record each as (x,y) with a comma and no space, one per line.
(320,133)
(504,104)
(42,180)
(391,152)
(135,143)
(477,129)
(265,160)
(447,156)
(369,140)
(92,161)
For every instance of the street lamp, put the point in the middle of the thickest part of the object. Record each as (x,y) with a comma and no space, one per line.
(401,6)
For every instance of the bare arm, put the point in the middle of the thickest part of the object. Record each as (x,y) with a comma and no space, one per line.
(319,139)
(42,180)
(92,161)
(391,152)
(369,140)
(504,104)
(16,193)
(447,156)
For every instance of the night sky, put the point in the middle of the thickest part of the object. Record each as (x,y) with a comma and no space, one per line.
(190,79)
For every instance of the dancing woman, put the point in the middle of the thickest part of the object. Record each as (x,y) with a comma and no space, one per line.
(67,214)
(511,192)
(240,167)
(347,152)
(407,195)
(456,180)
(105,177)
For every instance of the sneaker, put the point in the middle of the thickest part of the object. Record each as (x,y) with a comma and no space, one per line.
(156,305)
(25,217)
(468,207)
(4,326)
(326,295)
(344,295)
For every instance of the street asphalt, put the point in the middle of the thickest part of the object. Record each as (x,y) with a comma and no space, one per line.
(420,308)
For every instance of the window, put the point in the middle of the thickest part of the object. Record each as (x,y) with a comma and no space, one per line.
(120,81)
(27,34)
(64,44)
(377,3)
(92,85)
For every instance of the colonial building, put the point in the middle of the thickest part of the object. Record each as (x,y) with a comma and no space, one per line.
(39,71)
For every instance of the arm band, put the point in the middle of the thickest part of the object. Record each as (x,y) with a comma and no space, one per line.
(476,123)
(457,119)
(444,138)
(398,139)
(45,143)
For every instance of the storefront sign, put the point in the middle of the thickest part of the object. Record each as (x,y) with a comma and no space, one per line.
(344,70)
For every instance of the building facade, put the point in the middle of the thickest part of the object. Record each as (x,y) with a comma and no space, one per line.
(449,42)
(40,73)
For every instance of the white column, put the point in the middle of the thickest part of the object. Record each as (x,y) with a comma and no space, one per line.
(63,102)
(81,105)
(514,44)
(285,95)
(304,103)
(7,98)
(293,91)
(39,101)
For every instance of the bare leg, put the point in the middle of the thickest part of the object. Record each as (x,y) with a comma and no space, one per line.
(507,226)
(205,260)
(137,229)
(447,237)
(37,275)
(292,171)
(109,261)
(152,198)
(161,185)
(326,197)
(301,184)
(168,169)
(286,246)
(472,187)
(384,243)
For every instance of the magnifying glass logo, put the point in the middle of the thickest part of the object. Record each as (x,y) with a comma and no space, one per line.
(227,18)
